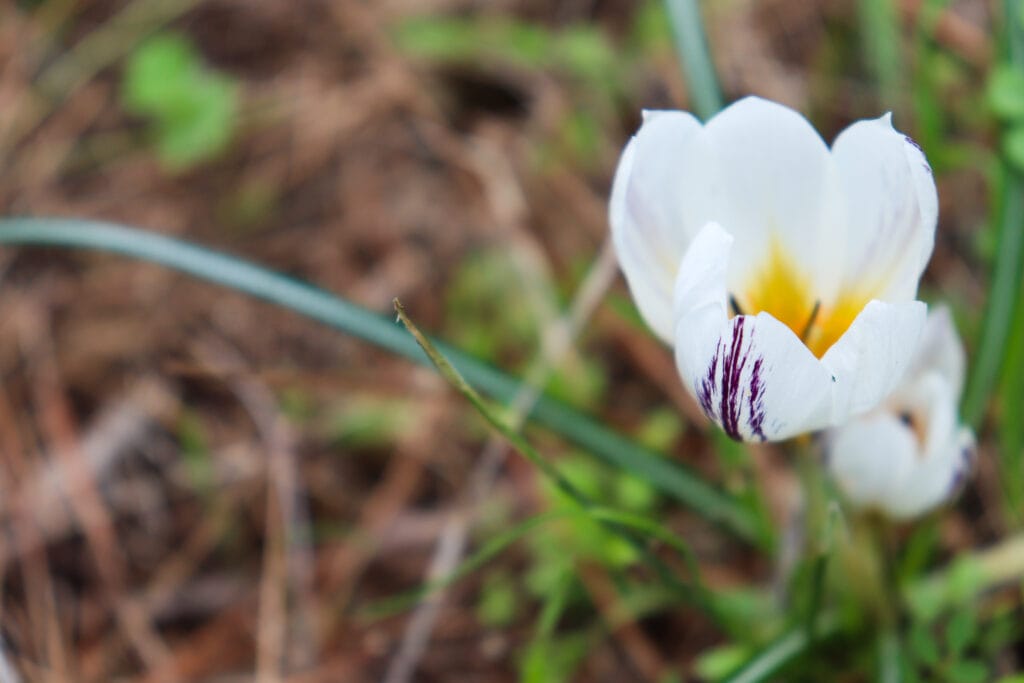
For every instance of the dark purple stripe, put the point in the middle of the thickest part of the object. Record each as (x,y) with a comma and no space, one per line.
(756,417)
(721,397)
(706,388)
(732,368)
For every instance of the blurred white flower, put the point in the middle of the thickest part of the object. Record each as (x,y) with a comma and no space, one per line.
(783,273)
(911,453)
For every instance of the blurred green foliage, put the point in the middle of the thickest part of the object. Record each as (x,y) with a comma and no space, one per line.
(192,109)
(368,421)
(499,603)
(493,309)
(195,453)
(1006,98)
(598,71)
(582,52)
(497,311)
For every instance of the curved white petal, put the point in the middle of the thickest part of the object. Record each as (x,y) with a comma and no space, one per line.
(773,180)
(892,209)
(873,355)
(931,404)
(750,374)
(878,464)
(871,458)
(940,349)
(648,284)
(657,172)
(908,456)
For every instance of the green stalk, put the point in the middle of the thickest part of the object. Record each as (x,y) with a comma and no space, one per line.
(765,664)
(1011,431)
(1004,290)
(697,592)
(880,40)
(694,56)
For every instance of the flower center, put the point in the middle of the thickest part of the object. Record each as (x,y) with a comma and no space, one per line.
(782,290)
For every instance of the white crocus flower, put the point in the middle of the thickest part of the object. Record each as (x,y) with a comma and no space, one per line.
(783,273)
(911,453)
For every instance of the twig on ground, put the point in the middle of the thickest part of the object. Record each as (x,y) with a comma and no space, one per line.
(83,495)
(287,558)
(44,624)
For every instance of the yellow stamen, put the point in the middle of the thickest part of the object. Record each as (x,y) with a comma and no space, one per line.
(785,292)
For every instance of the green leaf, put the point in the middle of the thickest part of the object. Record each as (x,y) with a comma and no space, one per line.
(1013,146)
(1011,430)
(553,661)
(922,644)
(585,52)
(498,601)
(1006,92)
(660,429)
(155,71)
(435,38)
(529,44)
(891,662)
(881,46)
(202,127)
(1004,287)
(960,631)
(192,109)
(968,671)
(716,663)
(763,665)
(650,31)
(634,494)
(694,56)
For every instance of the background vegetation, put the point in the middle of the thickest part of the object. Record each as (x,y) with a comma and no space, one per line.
(198,484)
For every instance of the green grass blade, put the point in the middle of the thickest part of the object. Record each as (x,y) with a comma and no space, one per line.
(765,664)
(618,523)
(694,56)
(672,479)
(1011,430)
(502,541)
(1002,299)
(890,657)
(1008,269)
(453,377)
(880,40)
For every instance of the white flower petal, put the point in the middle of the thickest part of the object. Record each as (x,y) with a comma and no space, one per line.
(873,355)
(871,459)
(892,208)
(910,455)
(944,455)
(878,463)
(941,350)
(658,170)
(750,374)
(772,180)
(648,284)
